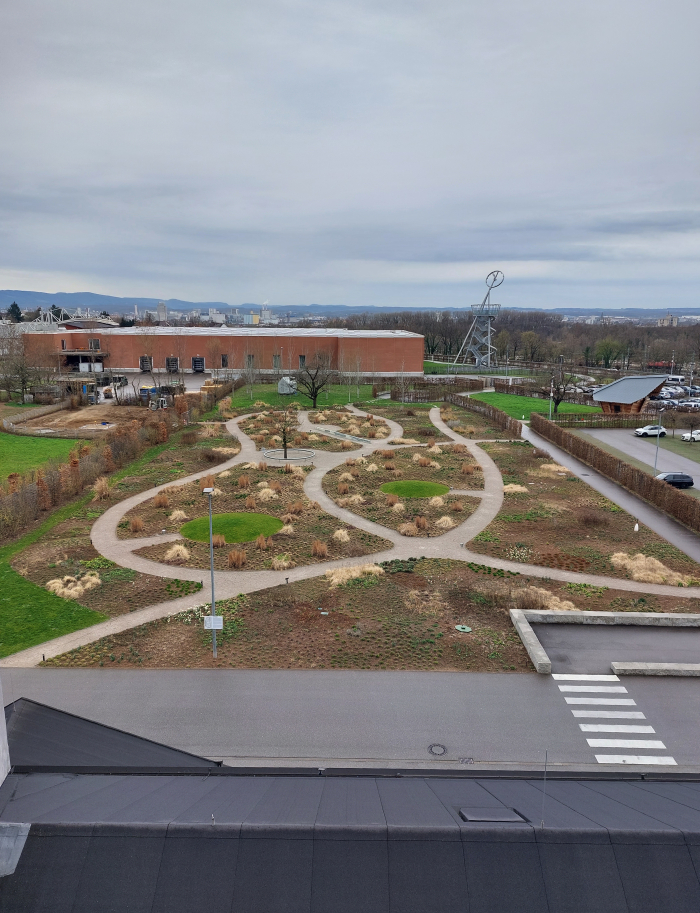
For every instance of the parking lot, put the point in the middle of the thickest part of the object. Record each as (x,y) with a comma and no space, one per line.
(643,450)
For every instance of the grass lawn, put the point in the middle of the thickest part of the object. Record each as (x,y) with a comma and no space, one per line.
(235,527)
(517,406)
(415,489)
(334,395)
(20,454)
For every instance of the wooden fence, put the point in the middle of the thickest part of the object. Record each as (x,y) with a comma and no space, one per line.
(682,507)
(496,416)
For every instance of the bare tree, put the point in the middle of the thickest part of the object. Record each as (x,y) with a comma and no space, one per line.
(560,386)
(401,382)
(249,372)
(314,376)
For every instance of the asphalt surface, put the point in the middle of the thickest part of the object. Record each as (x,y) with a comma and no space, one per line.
(644,450)
(591,648)
(678,535)
(364,719)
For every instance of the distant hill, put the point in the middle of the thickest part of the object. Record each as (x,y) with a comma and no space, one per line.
(28,300)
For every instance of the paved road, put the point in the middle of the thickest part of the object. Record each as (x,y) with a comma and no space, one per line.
(644,450)
(380,719)
(678,535)
(591,648)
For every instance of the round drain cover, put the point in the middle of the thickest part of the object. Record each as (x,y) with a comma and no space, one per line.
(463,629)
(437,749)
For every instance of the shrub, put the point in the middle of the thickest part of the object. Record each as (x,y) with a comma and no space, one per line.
(218,540)
(350,462)
(74,587)
(177,516)
(261,543)
(423,461)
(460,448)
(342,575)
(391,500)
(237,558)
(262,466)
(535,599)
(296,508)
(136,525)
(421,522)
(276,486)
(189,438)
(458,507)
(161,500)
(100,489)
(287,518)
(445,523)
(410,412)
(343,488)
(592,518)
(390,467)
(347,445)
(177,552)
(206,482)
(408,529)
(244,481)
(319,549)
(210,456)
(341,535)
(467,469)
(355,473)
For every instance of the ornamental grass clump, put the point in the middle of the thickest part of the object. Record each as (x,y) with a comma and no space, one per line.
(237,558)
(206,482)
(649,570)
(136,525)
(267,494)
(244,481)
(177,516)
(467,469)
(437,501)
(341,535)
(342,575)
(161,500)
(458,507)
(421,522)
(74,587)
(391,500)
(343,488)
(261,543)
(319,549)
(408,529)
(445,523)
(100,489)
(218,540)
(250,502)
(282,563)
(177,552)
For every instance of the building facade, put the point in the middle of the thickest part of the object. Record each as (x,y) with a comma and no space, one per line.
(186,349)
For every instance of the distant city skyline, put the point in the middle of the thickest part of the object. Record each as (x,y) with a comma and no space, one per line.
(356,153)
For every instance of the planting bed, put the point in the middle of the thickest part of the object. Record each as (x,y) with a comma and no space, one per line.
(249,491)
(403,619)
(358,485)
(472,425)
(414,418)
(265,431)
(558,521)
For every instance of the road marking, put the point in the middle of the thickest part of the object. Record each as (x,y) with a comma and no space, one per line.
(634,759)
(611,714)
(607,689)
(627,701)
(625,743)
(561,677)
(598,727)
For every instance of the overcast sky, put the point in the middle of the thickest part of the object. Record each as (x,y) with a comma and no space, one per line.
(361,152)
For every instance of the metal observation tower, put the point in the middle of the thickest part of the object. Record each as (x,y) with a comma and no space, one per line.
(477,343)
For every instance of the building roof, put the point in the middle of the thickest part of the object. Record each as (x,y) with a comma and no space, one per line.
(630,389)
(273,332)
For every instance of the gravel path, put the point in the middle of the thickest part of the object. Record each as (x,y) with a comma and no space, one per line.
(231,583)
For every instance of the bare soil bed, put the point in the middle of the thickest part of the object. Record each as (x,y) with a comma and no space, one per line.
(356,486)
(403,619)
(371,427)
(252,488)
(553,519)
(471,425)
(70,420)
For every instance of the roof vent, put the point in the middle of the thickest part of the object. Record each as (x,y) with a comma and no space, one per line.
(491,815)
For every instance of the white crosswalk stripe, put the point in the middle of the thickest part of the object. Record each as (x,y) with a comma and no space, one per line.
(610,714)
(606,689)
(562,677)
(634,759)
(618,701)
(625,743)
(601,727)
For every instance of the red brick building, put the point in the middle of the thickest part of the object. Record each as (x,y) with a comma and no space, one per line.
(269,350)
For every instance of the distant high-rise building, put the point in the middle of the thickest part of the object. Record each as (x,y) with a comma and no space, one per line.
(162,312)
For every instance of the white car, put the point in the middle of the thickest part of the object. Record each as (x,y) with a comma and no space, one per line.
(691,436)
(651,431)
(689,404)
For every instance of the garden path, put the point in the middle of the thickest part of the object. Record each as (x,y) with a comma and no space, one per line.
(231,583)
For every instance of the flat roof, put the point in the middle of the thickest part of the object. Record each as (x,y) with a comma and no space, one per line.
(308,332)
(630,389)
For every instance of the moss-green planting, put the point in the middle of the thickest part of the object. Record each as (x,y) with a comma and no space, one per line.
(234,527)
(415,489)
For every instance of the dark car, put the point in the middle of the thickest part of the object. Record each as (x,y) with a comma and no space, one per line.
(677,479)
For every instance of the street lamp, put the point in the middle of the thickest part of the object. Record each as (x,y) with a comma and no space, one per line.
(209,492)
(551,395)
(658,435)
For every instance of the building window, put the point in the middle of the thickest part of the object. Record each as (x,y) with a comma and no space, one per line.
(94,345)
(249,360)
(63,344)
(224,361)
(302,361)
(276,362)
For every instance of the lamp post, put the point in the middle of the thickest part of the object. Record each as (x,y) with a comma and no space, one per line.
(209,492)
(551,395)
(658,435)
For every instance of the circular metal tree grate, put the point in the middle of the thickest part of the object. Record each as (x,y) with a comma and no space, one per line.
(437,749)
(294,454)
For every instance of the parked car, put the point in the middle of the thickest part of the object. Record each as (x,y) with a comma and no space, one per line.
(651,431)
(691,436)
(689,404)
(677,479)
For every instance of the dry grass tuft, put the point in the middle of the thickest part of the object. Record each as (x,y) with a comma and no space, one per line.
(287,530)
(224,475)
(218,540)
(421,522)
(649,570)
(282,563)
(319,549)
(343,488)
(177,516)
(458,507)
(467,469)
(404,440)
(445,523)
(355,499)
(347,445)
(237,558)
(434,464)
(345,477)
(261,543)
(341,535)
(371,468)
(136,525)
(161,500)
(512,488)
(398,508)
(74,587)
(262,466)
(553,467)
(342,575)
(250,502)
(434,449)
(100,489)
(208,430)
(296,508)
(437,501)
(391,500)
(408,529)
(350,461)
(390,467)
(536,598)
(244,481)
(177,552)
(424,462)
(287,518)
(276,486)
(206,482)
(267,494)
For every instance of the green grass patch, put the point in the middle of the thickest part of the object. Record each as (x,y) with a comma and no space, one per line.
(519,406)
(21,454)
(415,489)
(235,527)
(334,395)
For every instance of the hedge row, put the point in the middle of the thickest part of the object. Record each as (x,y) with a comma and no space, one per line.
(682,507)
(495,416)
(605,420)
(500,386)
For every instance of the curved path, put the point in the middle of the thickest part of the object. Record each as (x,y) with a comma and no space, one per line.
(231,583)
